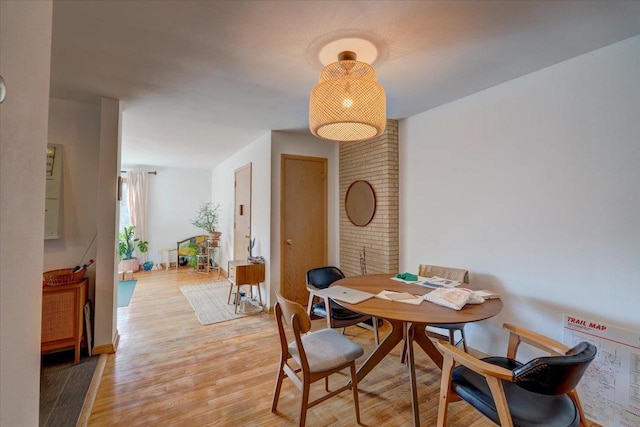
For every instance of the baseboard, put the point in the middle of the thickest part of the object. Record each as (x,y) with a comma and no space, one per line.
(107,348)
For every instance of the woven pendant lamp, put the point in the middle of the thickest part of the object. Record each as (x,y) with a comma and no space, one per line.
(348,104)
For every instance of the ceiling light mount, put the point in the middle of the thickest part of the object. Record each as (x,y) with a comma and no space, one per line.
(347,55)
(348,104)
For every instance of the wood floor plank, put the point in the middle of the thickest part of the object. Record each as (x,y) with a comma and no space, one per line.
(170,370)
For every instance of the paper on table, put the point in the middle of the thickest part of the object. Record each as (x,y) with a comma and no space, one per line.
(454,298)
(388,295)
(420,280)
(487,294)
(439,282)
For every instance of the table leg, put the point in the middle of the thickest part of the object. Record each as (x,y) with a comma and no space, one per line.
(237,298)
(412,375)
(426,344)
(389,342)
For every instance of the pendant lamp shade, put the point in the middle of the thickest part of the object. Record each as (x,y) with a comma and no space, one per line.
(348,104)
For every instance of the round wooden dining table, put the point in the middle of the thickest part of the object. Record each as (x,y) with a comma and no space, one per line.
(410,318)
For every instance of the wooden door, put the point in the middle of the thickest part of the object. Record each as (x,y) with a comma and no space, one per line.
(303,239)
(242,213)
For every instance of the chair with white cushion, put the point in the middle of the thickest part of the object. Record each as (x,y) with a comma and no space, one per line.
(315,355)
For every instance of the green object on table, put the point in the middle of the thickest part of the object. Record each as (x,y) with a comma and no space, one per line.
(409,277)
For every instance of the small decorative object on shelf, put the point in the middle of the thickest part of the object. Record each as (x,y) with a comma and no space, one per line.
(253,259)
(84,267)
(252,243)
(363,262)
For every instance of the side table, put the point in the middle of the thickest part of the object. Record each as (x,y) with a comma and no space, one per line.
(241,273)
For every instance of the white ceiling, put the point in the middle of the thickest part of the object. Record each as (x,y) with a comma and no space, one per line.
(199,80)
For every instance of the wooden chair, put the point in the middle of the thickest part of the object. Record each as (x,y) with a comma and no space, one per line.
(540,392)
(336,315)
(317,355)
(458,275)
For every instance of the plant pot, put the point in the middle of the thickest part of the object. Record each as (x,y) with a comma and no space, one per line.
(214,238)
(132,264)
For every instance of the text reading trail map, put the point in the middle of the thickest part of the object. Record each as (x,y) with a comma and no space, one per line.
(610,388)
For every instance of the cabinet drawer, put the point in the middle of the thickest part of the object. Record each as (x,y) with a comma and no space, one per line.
(244,273)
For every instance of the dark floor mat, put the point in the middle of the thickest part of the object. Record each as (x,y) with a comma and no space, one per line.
(63,387)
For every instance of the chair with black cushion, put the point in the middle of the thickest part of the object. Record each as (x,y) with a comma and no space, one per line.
(316,355)
(337,316)
(538,393)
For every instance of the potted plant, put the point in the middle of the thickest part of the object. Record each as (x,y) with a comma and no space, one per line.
(191,253)
(127,243)
(143,247)
(207,219)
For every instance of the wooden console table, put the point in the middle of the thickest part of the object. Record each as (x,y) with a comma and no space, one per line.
(241,273)
(62,317)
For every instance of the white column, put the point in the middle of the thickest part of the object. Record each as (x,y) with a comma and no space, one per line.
(25,57)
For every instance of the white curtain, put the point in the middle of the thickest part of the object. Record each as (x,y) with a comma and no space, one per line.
(137,183)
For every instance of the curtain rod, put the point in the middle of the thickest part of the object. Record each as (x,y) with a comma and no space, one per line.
(150,173)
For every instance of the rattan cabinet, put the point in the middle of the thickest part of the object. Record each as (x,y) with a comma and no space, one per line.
(62,317)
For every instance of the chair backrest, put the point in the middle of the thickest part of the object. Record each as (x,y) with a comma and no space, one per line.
(457,274)
(292,312)
(323,277)
(555,374)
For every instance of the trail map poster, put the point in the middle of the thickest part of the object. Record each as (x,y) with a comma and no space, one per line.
(610,388)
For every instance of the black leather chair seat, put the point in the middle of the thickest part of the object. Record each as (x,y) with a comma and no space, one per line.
(339,312)
(527,409)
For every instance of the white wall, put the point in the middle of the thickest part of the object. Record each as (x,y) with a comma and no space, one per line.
(173,199)
(75,125)
(534,186)
(88,206)
(108,215)
(258,154)
(303,145)
(25,52)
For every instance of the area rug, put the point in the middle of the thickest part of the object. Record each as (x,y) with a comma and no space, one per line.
(125,290)
(209,300)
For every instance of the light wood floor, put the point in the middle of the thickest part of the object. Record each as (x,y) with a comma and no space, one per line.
(170,370)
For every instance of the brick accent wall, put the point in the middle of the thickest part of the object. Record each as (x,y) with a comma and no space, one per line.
(375,161)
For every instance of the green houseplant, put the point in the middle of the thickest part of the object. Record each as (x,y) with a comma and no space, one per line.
(127,243)
(207,218)
(192,253)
